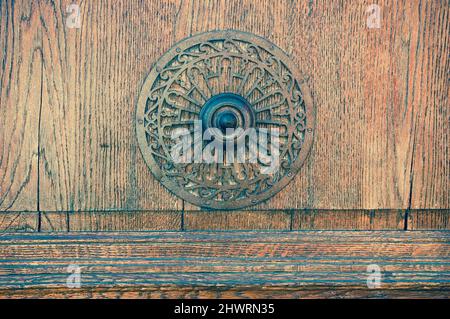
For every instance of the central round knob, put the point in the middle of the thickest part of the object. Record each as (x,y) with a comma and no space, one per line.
(227,111)
(227,120)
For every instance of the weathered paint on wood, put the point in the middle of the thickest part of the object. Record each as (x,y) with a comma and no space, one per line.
(289,264)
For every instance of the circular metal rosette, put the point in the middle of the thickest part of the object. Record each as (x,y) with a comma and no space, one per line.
(225,119)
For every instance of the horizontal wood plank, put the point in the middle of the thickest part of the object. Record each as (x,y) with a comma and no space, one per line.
(294,264)
(242,292)
(307,219)
(19,221)
(321,219)
(237,220)
(428,219)
(124,221)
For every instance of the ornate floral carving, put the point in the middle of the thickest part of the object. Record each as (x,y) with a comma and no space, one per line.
(204,66)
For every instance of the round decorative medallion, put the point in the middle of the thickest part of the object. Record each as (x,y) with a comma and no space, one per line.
(224,119)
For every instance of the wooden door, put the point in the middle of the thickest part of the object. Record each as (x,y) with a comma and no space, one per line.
(71,74)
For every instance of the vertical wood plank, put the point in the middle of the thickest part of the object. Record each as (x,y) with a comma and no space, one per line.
(269,19)
(430,97)
(20,76)
(364,87)
(92,77)
(361,80)
(381,97)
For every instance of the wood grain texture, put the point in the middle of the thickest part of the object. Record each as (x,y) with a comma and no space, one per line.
(430,91)
(241,292)
(204,264)
(381,97)
(124,221)
(428,219)
(20,91)
(348,220)
(74,186)
(54,221)
(92,76)
(19,222)
(368,93)
(237,220)
(315,219)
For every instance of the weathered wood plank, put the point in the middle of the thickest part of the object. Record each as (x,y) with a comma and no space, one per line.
(315,219)
(19,221)
(374,122)
(93,221)
(92,76)
(124,221)
(366,87)
(389,142)
(237,220)
(428,219)
(307,237)
(54,222)
(348,219)
(289,264)
(223,250)
(273,20)
(20,89)
(241,292)
(430,91)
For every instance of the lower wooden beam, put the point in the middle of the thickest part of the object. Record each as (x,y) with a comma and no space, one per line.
(232,292)
(251,264)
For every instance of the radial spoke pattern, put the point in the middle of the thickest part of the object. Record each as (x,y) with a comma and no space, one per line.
(202,67)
